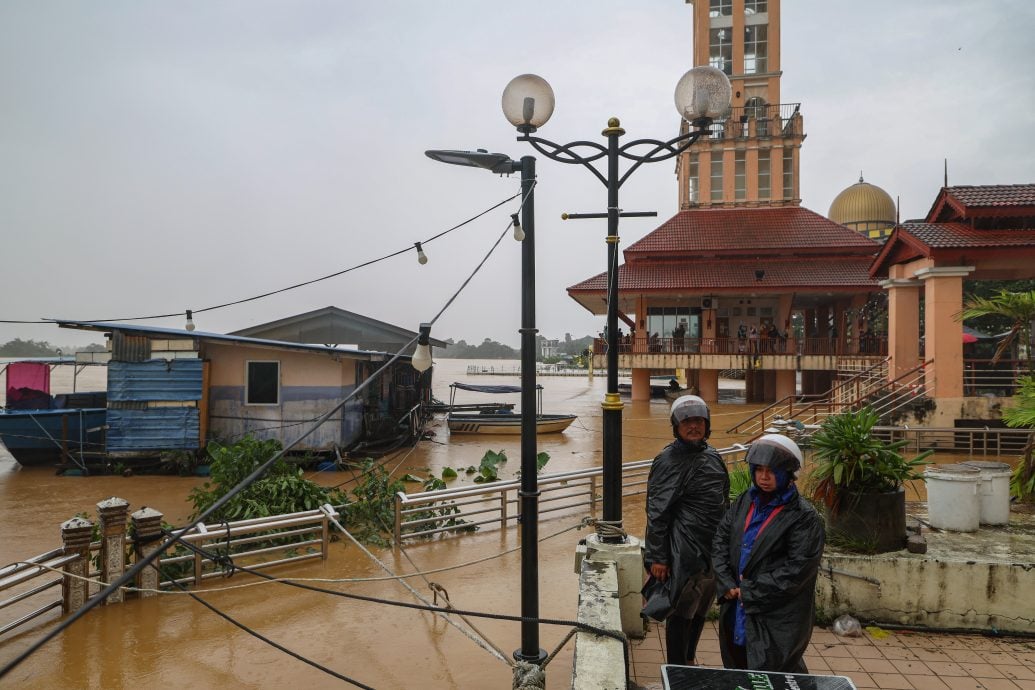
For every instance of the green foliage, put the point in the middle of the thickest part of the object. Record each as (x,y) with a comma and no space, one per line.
(740,479)
(448,473)
(372,512)
(1015,309)
(488,470)
(849,458)
(282,489)
(1022,414)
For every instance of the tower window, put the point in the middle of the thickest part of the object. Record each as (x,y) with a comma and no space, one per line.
(693,180)
(764,189)
(755,48)
(740,174)
(720,50)
(755,6)
(716,177)
(788,174)
(722,8)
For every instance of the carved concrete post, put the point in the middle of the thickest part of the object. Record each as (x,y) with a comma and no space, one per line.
(75,538)
(147,533)
(113,543)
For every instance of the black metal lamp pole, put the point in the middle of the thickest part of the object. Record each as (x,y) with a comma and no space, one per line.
(529,492)
(701,95)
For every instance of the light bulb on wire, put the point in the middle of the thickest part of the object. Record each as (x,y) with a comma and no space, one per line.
(421,360)
(422,258)
(519,234)
(190,321)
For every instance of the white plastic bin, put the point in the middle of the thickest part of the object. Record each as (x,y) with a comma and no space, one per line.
(993,491)
(952,497)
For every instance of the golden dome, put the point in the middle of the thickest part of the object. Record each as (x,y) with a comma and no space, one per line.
(865,208)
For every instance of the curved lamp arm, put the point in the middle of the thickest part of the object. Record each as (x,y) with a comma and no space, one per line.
(567,153)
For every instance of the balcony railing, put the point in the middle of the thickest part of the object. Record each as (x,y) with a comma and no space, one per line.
(767,120)
(873,345)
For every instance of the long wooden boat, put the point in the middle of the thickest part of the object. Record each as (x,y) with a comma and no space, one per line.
(500,421)
(506,423)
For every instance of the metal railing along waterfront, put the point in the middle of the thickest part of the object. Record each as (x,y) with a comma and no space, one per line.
(462,509)
(258,543)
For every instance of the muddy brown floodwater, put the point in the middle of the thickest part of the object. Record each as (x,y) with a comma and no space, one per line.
(173,641)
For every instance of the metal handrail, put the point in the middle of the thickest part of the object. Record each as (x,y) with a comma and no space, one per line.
(580,487)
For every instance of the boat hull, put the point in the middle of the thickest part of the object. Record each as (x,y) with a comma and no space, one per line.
(506,423)
(47,437)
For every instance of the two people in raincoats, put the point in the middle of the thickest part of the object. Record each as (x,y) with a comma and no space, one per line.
(767,553)
(687,494)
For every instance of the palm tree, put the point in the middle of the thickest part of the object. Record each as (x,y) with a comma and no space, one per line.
(1017,307)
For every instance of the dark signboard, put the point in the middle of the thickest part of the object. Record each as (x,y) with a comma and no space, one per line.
(694,678)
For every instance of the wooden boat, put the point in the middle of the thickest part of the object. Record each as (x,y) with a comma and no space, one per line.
(501,421)
(38,428)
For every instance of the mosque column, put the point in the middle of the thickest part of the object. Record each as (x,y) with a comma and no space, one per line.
(903,325)
(786,383)
(943,334)
(708,385)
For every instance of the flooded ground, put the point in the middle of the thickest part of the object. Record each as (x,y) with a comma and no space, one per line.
(177,642)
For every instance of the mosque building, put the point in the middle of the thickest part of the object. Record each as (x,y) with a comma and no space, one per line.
(865,208)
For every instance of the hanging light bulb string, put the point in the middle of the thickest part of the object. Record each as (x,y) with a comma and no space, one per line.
(284,289)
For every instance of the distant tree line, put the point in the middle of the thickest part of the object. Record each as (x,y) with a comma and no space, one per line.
(41,348)
(490,349)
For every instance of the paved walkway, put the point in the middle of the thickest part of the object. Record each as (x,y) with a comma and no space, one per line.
(889,659)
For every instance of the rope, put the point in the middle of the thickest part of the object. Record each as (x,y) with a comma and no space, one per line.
(528,676)
(607,529)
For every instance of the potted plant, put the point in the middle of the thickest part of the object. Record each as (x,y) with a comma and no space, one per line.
(860,478)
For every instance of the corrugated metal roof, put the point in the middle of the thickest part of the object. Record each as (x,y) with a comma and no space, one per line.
(158,332)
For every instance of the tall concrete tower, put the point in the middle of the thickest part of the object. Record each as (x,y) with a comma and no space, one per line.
(752,157)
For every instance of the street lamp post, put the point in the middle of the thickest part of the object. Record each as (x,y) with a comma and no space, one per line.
(702,95)
(524,231)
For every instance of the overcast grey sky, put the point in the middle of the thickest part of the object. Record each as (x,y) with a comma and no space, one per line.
(160,156)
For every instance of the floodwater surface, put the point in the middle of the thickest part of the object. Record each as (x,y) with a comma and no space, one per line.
(174,641)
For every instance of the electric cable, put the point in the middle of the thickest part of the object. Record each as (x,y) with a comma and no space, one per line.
(284,289)
(243,484)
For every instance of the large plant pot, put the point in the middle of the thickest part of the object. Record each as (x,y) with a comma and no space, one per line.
(870,522)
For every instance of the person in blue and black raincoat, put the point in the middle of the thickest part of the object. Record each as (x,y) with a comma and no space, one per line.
(767,553)
(687,493)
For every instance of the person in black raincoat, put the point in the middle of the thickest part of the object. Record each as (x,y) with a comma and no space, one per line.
(687,493)
(767,553)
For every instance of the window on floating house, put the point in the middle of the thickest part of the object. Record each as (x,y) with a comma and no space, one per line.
(263,383)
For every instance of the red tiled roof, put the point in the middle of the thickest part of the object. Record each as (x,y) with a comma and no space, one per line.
(833,273)
(994,195)
(780,230)
(953,235)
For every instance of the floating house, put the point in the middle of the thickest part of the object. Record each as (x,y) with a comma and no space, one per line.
(170,389)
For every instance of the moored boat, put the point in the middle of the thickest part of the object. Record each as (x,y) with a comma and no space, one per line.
(500,421)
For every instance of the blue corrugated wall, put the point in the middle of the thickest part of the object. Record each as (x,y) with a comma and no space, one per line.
(176,380)
(154,428)
(157,428)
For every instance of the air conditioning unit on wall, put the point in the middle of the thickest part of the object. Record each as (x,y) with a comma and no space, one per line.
(709,303)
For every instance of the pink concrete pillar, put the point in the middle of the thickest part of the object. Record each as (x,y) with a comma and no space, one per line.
(903,325)
(943,334)
(785,383)
(708,385)
(640,384)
